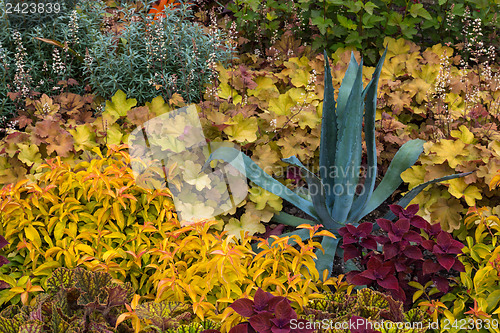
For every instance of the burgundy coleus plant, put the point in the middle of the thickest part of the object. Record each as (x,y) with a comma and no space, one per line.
(353,236)
(266,314)
(413,250)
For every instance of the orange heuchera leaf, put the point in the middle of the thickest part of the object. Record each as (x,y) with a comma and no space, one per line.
(158,9)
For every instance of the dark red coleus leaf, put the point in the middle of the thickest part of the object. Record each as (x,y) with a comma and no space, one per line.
(390,251)
(242,328)
(441,283)
(3,241)
(369,243)
(413,252)
(385,224)
(382,273)
(262,322)
(400,212)
(283,314)
(261,299)
(430,267)
(446,244)
(398,229)
(458,266)
(244,307)
(351,251)
(445,260)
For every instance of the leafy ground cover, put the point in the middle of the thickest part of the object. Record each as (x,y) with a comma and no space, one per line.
(88,246)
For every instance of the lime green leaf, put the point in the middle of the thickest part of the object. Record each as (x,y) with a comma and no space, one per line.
(247,222)
(241,129)
(29,154)
(118,107)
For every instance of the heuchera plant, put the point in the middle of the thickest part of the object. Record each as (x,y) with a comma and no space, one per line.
(266,314)
(413,250)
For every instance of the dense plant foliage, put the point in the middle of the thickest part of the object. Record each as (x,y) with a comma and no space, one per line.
(366,308)
(334,25)
(414,252)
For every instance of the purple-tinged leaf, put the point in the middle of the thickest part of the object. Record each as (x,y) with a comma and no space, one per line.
(274,301)
(413,252)
(261,299)
(240,328)
(441,283)
(369,243)
(244,307)
(390,251)
(351,251)
(284,313)
(385,224)
(446,261)
(458,266)
(262,322)
(414,237)
(430,267)
(389,282)
(3,241)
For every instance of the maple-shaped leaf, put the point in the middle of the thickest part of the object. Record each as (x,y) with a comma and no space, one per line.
(417,88)
(266,157)
(242,78)
(265,90)
(192,176)
(447,212)
(115,135)
(459,188)
(414,176)
(158,106)
(282,104)
(247,222)
(62,143)
(84,137)
(118,107)
(398,100)
(242,130)
(139,115)
(225,91)
(463,134)
(29,154)
(262,198)
(452,151)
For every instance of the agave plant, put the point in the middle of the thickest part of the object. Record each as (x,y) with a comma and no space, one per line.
(331,198)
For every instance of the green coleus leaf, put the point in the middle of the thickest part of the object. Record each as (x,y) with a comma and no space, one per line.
(9,325)
(31,328)
(60,278)
(91,284)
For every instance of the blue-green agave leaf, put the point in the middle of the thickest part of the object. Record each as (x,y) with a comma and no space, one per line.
(325,260)
(406,156)
(408,197)
(349,149)
(328,140)
(369,120)
(253,172)
(291,220)
(317,193)
(345,92)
